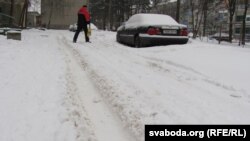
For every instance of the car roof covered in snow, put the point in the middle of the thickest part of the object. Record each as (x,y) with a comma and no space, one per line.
(151,19)
(221,35)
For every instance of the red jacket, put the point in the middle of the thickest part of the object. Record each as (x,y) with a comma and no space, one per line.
(84,11)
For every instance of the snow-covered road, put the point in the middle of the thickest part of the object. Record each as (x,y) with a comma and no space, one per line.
(105,123)
(52,89)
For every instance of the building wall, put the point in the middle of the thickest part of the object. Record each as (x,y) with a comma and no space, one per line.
(32,19)
(59,13)
(238,20)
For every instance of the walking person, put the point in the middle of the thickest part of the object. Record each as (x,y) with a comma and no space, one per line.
(82,22)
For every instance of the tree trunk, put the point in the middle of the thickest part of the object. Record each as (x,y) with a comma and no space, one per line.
(231,9)
(244,23)
(110,14)
(231,29)
(192,10)
(23,17)
(205,8)
(11,12)
(105,13)
(198,19)
(50,14)
(178,11)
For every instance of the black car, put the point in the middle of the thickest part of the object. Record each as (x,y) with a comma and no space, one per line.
(143,30)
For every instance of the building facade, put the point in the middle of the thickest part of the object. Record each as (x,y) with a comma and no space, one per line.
(59,14)
(239,14)
(33,19)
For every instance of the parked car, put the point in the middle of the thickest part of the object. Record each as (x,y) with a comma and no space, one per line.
(73,27)
(221,36)
(151,29)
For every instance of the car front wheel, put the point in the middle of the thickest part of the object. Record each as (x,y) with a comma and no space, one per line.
(118,39)
(137,41)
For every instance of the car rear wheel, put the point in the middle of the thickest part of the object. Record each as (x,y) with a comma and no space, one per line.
(184,42)
(137,41)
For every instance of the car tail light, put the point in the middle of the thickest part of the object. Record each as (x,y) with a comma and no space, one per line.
(153,31)
(184,32)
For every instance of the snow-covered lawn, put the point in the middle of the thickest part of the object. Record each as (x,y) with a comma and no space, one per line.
(52,89)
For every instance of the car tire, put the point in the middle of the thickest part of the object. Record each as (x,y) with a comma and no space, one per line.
(118,38)
(137,41)
(184,42)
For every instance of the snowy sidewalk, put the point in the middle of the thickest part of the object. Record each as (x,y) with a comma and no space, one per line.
(46,93)
(34,104)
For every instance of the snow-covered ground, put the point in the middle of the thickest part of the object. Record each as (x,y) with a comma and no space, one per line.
(52,89)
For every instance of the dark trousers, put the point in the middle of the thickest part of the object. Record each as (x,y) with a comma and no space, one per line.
(79,29)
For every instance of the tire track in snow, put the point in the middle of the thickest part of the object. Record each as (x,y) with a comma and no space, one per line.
(189,75)
(110,90)
(77,113)
(179,74)
(106,125)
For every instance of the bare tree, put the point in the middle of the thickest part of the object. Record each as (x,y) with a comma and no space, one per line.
(12,3)
(231,5)
(50,13)
(205,11)
(178,10)
(155,4)
(112,13)
(197,8)
(192,13)
(244,22)
(23,17)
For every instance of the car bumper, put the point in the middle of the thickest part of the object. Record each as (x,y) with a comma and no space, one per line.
(151,40)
